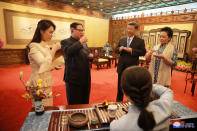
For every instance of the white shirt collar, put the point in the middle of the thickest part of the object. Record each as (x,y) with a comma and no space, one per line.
(131,38)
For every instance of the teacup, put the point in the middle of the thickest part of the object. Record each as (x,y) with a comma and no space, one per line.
(112,110)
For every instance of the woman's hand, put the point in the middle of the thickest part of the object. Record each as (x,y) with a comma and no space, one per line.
(166,60)
(152,51)
(148,57)
(159,56)
(55,47)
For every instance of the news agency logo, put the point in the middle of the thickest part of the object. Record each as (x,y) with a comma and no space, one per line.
(182,124)
(178,124)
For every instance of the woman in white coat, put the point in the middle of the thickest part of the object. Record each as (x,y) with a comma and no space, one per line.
(40,57)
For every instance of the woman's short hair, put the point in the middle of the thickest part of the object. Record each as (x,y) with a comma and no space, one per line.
(168,30)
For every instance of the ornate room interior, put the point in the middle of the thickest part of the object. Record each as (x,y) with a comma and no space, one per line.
(105,23)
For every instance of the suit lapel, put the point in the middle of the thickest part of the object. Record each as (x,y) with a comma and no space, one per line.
(132,42)
(125,42)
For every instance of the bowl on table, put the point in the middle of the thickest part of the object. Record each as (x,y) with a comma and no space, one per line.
(78,119)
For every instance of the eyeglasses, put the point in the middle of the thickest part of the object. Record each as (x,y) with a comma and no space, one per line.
(80,30)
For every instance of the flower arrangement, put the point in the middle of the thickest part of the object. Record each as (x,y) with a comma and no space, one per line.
(183,66)
(37,92)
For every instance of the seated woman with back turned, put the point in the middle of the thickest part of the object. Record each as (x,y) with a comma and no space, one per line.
(143,113)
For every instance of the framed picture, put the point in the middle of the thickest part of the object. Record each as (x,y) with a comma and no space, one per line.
(152,40)
(157,38)
(145,36)
(181,46)
(175,39)
(20,26)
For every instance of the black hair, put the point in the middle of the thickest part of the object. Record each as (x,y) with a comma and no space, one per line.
(75,24)
(136,83)
(168,30)
(42,25)
(134,24)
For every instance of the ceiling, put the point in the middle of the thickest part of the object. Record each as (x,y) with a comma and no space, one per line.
(123,6)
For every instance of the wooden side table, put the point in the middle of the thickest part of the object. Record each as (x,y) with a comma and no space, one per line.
(111,60)
(101,63)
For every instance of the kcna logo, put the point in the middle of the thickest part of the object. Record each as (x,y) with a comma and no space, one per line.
(182,124)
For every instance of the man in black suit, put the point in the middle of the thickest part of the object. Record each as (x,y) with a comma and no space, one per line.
(129,48)
(77,69)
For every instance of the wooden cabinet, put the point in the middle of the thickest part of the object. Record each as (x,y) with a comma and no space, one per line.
(13,57)
(19,56)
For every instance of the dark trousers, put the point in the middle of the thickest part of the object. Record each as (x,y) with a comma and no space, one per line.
(119,92)
(77,94)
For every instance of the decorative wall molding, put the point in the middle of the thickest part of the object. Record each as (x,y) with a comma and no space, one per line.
(186,17)
(57,6)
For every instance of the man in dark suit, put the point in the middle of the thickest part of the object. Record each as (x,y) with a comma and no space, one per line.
(77,69)
(129,48)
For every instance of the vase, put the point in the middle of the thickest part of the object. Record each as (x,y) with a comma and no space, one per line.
(39,107)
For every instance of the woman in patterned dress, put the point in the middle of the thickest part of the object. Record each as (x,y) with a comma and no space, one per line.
(162,58)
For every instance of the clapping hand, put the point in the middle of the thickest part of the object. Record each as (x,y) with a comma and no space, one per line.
(129,50)
(125,48)
(121,48)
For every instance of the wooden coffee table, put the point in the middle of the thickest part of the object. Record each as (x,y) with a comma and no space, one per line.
(47,121)
(100,64)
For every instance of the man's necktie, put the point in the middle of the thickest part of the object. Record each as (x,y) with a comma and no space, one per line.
(128,42)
